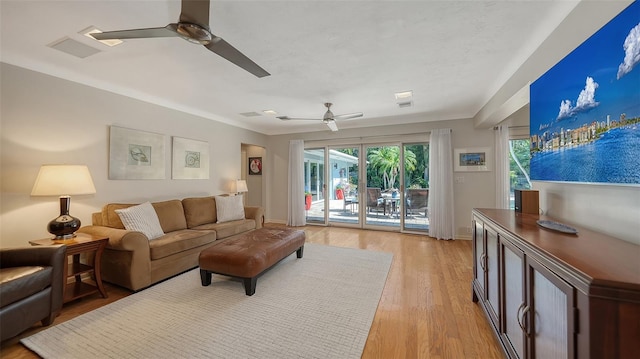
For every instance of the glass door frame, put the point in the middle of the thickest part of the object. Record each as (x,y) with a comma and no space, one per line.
(328,176)
(363,188)
(362,185)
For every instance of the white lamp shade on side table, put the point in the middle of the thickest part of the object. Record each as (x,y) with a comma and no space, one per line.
(63,181)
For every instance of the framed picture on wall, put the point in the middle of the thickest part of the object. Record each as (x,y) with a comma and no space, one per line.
(190,159)
(135,154)
(255,165)
(471,159)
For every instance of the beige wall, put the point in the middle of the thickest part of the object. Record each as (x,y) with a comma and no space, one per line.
(47,120)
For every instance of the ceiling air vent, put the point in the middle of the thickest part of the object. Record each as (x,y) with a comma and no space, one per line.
(73,47)
(250,114)
(405,104)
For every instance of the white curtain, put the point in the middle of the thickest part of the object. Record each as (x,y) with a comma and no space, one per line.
(296,215)
(441,211)
(501,134)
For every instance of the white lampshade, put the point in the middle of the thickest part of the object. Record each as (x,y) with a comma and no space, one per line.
(241,186)
(60,180)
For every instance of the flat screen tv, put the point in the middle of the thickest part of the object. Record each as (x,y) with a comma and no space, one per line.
(585,111)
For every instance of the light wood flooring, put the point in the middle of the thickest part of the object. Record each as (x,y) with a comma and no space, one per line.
(425,310)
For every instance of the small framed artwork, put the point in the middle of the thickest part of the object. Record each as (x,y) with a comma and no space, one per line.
(255,165)
(135,154)
(471,159)
(190,159)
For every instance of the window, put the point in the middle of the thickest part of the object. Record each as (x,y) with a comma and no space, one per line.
(519,157)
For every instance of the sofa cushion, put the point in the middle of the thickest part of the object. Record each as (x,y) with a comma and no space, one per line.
(17,283)
(229,208)
(109,216)
(228,229)
(199,210)
(171,215)
(179,241)
(141,218)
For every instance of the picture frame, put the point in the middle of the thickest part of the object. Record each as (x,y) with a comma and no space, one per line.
(190,159)
(255,166)
(135,154)
(475,159)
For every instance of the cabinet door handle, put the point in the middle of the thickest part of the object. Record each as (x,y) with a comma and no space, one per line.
(518,316)
(483,258)
(525,328)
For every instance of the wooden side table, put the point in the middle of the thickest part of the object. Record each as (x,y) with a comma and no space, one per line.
(81,243)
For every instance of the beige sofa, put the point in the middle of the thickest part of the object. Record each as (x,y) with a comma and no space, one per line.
(132,261)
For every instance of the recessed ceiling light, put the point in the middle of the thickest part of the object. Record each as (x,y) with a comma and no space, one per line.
(94,30)
(270,112)
(403,95)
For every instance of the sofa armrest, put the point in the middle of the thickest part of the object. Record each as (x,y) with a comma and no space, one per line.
(256,213)
(127,259)
(120,239)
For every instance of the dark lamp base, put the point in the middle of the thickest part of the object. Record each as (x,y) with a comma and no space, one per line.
(64,226)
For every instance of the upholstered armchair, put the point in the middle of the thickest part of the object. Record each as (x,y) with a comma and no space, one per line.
(31,287)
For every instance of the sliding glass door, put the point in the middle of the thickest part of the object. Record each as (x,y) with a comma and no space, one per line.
(376,186)
(344,165)
(416,184)
(314,185)
(383,195)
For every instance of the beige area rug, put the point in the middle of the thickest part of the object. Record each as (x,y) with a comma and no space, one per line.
(320,306)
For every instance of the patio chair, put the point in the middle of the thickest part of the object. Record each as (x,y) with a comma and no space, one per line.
(375,200)
(417,200)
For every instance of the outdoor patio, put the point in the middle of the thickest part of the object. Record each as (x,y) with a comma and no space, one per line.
(345,212)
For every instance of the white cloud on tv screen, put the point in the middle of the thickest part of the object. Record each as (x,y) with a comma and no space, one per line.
(586,100)
(631,52)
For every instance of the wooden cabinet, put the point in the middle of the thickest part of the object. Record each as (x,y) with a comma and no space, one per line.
(512,277)
(486,271)
(556,295)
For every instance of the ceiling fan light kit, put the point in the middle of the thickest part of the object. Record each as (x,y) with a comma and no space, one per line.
(195,30)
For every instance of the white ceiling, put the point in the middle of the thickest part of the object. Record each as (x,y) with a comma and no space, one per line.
(454,55)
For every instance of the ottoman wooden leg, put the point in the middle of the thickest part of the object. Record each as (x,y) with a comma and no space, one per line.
(300,251)
(205,277)
(250,285)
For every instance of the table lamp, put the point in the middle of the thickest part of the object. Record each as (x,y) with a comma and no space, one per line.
(63,181)
(241,186)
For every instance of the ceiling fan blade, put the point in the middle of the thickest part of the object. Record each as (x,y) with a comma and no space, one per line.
(195,12)
(225,50)
(287,118)
(348,116)
(332,125)
(167,31)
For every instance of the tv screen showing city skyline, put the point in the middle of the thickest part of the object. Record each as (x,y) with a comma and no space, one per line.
(585,111)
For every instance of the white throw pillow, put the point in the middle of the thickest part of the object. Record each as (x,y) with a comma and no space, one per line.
(142,218)
(229,208)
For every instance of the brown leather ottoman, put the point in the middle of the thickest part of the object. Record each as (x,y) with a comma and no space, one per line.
(250,254)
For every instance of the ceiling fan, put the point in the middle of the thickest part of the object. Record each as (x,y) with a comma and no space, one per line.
(328,118)
(193,27)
